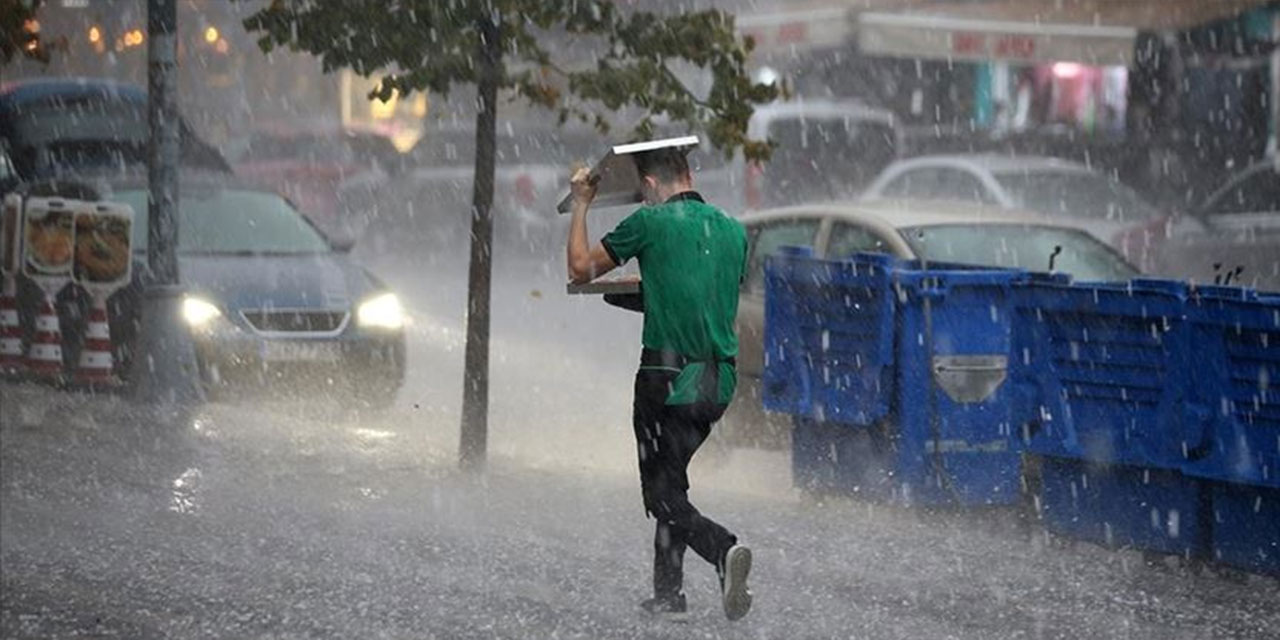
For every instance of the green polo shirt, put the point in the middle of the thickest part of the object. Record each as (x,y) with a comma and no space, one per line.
(692,257)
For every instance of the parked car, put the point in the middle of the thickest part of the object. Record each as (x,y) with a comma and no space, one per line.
(1050,186)
(824,150)
(330,173)
(271,302)
(59,126)
(945,231)
(1240,238)
(1249,200)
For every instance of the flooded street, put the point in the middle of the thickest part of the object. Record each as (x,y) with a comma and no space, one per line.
(299,519)
(955,319)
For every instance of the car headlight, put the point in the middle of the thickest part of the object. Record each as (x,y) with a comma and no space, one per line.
(382,312)
(199,313)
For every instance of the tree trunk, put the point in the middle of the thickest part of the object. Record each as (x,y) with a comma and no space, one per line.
(475,383)
(162,160)
(164,372)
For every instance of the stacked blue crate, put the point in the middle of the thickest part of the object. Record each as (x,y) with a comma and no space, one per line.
(1151,409)
(1102,379)
(828,362)
(894,374)
(1236,343)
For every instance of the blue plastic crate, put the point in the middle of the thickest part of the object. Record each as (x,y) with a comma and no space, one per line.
(953,403)
(896,377)
(1101,371)
(1121,506)
(829,338)
(1236,357)
(784,389)
(1246,527)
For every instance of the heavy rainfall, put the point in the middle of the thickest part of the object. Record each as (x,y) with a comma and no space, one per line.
(288,347)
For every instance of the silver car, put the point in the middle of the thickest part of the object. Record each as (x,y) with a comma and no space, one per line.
(1240,239)
(1049,186)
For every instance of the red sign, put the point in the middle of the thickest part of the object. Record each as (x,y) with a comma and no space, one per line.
(1016,46)
(1004,46)
(968,43)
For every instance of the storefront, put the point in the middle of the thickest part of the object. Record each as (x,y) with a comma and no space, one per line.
(1096,67)
(811,44)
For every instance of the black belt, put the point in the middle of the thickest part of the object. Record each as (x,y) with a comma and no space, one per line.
(709,385)
(662,358)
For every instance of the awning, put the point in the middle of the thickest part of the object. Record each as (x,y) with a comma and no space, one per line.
(788,31)
(1096,32)
(786,28)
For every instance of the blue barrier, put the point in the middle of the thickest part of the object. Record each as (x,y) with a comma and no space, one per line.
(1120,506)
(1246,526)
(895,376)
(1102,372)
(1101,381)
(1152,409)
(1236,339)
(829,338)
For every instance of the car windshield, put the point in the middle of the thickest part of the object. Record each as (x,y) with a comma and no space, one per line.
(68,120)
(215,220)
(1021,247)
(1080,195)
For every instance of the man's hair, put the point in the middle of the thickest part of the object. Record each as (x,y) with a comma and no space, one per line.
(665,165)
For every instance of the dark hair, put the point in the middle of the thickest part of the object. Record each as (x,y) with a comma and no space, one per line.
(666,165)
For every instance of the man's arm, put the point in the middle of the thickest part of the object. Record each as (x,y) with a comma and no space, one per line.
(586,263)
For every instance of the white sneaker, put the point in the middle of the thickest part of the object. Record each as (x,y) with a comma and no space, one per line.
(737,597)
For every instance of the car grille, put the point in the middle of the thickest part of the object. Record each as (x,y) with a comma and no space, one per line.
(296,321)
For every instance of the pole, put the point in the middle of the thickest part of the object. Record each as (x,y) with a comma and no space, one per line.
(474,434)
(164,373)
(162,160)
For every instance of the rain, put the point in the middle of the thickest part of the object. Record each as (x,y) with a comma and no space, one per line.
(1003,360)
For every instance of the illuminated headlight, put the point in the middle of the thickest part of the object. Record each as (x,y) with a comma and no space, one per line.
(199,313)
(382,312)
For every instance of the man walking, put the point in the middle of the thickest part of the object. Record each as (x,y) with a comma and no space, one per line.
(692,259)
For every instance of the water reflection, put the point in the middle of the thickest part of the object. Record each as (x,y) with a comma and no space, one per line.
(183,496)
(367,435)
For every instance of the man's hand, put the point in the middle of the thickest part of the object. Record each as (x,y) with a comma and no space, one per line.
(585,262)
(583,186)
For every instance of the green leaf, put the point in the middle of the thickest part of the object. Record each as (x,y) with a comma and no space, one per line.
(428,45)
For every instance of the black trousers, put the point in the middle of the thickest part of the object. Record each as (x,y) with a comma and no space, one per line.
(666,439)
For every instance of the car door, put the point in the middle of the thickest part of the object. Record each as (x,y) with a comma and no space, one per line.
(764,239)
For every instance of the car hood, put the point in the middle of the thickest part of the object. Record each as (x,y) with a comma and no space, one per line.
(310,281)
